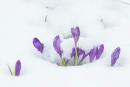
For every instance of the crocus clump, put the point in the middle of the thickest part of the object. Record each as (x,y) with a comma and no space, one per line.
(115,56)
(38,45)
(17,69)
(78,55)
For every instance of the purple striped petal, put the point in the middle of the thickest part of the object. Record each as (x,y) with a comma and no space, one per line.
(81,53)
(17,68)
(38,45)
(73,53)
(92,54)
(56,45)
(75,33)
(84,56)
(115,55)
(100,51)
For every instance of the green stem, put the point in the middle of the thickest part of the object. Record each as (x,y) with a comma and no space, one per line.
(10,70)
(76,56)
(63,62)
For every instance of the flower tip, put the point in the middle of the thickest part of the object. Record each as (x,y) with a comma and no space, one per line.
(57,45)
(17,68)
(102,45)
(75,33)
(92,54)
(115,55)
(38,45)
(100,51)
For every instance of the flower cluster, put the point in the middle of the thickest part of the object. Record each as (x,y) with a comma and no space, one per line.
(78,55)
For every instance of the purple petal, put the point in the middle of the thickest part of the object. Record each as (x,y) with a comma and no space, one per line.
(75,33)
(38,45)
(100,51)
(84,56)
(92,54)
(80,52)
(17,68)
(73,53)
(115,55)
(56,44)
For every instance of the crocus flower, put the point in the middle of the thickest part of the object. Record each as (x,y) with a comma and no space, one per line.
(115,55)
(100,51)
(38,45)
(57,47)
(92,54)
(17,68)
(76,34)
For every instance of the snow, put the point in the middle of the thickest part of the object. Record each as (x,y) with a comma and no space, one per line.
(100,21)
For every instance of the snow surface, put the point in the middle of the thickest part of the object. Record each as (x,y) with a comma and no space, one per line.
(100,21)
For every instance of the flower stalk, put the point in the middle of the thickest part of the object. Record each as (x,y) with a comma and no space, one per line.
(76,56)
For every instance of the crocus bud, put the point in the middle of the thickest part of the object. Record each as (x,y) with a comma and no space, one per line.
(76,34)
(100,51)
(17,68)
(56,45)
(115,55)
(92,54)
(38,45)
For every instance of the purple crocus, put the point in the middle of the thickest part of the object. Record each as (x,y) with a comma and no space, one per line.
(38,45)
(92,54)
(56,44)
(76,34)
(100,51)
(17,68)
(115,55)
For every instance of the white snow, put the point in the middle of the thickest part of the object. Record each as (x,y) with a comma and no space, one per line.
(100,21)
